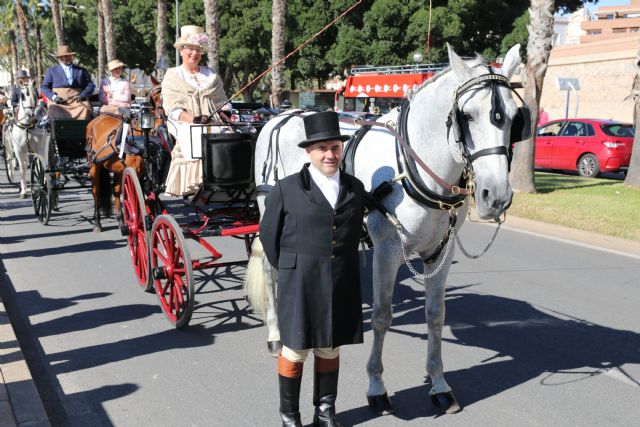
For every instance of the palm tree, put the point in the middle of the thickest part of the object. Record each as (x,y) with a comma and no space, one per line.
(57,21)
(278,14)
(633,174)
(212,24)
(24,36)
(538,49)
(161,32)
(100,40)
(109,34)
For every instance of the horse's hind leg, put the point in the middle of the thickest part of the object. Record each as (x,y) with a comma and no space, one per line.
(385,267)
(440,392)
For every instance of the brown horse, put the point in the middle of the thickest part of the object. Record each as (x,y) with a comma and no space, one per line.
(104,158)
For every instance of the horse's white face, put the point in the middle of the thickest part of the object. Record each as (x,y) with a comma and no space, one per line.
(27,104)
(493,193)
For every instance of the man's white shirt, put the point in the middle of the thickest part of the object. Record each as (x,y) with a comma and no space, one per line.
(329,185)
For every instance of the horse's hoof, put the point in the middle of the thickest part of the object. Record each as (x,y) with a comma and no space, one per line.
(97,229)
(274,347)
(445,402)
(381,405)
(23,195)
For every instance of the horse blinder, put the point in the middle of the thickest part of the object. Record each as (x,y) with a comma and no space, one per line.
(521,125)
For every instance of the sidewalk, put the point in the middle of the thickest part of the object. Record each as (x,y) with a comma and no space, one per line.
(20,403)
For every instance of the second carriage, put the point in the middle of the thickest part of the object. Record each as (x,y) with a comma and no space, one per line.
(222,205)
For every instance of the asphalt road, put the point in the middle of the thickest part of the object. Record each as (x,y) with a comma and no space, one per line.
(538,332)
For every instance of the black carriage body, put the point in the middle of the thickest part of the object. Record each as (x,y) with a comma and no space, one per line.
(69,136)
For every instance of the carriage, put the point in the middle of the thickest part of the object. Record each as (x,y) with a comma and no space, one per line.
(64,160)
(223,205)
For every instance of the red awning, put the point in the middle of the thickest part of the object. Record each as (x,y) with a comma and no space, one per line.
(383,85)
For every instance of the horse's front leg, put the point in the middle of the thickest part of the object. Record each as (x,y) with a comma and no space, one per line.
(440,393)
(21,155)
(386,262)
(271,317)
(118,169)
(94,173)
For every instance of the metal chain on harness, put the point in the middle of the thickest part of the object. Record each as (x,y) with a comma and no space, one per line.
(470,256)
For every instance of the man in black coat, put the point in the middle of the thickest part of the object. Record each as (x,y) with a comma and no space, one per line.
(310,231)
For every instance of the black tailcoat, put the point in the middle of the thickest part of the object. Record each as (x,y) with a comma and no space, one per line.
(315,249)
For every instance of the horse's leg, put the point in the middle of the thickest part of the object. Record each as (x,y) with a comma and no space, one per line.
(440,392)
(118,169)
(271,316)
(20,151)
(386,262)
(94,173)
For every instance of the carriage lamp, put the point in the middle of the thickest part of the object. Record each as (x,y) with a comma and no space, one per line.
(146,117)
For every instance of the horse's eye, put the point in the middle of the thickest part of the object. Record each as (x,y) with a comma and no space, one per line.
(468,117)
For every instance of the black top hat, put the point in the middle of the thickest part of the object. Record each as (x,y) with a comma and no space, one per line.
(321,127)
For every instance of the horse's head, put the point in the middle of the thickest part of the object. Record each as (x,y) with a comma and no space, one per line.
(27,106)
(483,124)
(155,98)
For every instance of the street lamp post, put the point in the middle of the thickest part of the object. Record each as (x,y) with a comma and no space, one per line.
(417,58)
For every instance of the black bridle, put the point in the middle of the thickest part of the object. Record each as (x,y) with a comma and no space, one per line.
(520,126)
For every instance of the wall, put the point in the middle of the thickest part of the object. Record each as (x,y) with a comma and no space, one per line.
(606,72)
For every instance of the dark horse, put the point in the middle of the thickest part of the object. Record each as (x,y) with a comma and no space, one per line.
(103,154)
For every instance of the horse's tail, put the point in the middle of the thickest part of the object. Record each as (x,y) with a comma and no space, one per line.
(255,284)
(106,192)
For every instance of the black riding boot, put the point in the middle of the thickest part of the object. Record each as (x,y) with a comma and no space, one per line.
(325,391)
(289,391)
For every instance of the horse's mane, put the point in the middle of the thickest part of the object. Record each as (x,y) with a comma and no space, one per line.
(477,61)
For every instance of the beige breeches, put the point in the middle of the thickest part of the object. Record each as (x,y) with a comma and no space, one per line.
(299,356)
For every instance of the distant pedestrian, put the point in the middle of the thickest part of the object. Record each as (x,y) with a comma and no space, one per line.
(543,117)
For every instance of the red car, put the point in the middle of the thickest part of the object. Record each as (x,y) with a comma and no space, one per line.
(589,146)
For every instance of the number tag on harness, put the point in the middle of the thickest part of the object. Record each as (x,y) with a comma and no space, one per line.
(125,131)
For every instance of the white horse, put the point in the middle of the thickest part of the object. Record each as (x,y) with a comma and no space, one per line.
(23,134)
(459,126)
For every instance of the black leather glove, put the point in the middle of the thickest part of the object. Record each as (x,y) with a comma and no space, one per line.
(225,116)
(60,100)
(201,120)
(82,98)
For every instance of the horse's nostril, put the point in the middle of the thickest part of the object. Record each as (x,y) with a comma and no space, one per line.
(485,194)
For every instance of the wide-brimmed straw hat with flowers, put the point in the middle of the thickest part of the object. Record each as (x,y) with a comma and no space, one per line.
(192,35)
(64,50)
(116,63)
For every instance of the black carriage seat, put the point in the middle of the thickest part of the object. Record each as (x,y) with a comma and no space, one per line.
(227,164)
(70,137)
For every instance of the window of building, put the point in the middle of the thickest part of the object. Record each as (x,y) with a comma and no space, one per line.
(610,16)
(619,30)
(632,15)
(594,32)
(634,29)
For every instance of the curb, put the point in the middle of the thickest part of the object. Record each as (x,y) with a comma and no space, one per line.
(20,402)
(630,248)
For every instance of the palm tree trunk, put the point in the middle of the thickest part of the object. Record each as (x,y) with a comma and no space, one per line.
(541,12)
(14,54)
(278,14)
(633,174)
(24,35)
(212,23)
(38,35)
(109,34)
(161,34)
(56,13)
(101,52)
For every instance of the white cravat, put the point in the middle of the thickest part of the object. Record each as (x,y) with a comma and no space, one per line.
(329,185)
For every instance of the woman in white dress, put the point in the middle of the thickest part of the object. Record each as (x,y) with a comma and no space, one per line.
(115,91)
(191,93)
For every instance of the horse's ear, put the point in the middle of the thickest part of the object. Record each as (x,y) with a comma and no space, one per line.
(459,67)
(511,61)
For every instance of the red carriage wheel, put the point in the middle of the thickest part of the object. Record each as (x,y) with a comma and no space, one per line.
(42,194)
(134,213)
(172,270)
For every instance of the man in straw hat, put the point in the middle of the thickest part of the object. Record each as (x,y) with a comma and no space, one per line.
(115,91)
(319,303)
(68,87)
(191,93)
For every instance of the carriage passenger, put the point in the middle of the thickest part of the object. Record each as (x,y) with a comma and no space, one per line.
(115,91)
(318,294)
(67,87)
(191,93)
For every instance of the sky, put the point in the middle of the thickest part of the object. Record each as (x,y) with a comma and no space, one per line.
(602,3)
